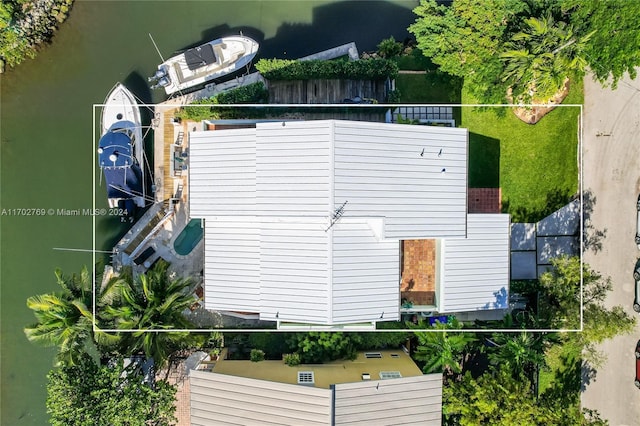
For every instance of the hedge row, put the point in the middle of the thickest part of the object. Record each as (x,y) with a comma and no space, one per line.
(363,69)
(254,93)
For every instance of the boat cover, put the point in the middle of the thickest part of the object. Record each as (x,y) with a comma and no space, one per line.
(115,149)
(122,173)
(200,56)
(123,182)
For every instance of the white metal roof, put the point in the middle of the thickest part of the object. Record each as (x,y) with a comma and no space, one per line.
(278,186)
(221,399)
(404,401)
(475,270)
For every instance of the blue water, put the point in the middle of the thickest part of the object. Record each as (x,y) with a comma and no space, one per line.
(190,236)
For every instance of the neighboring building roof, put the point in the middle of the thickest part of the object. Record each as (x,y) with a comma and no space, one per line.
(220,399)
(266,392)
(406,401)
(269,197)
(474,271)
(326,374)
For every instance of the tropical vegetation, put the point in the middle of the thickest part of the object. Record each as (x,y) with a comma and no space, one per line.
(25,24)
(314,347)
(441,351)
(151,305)
(204,109)
(65,318)
(134,320)
(286,69)
(526,50)
(87,394)
(527,377)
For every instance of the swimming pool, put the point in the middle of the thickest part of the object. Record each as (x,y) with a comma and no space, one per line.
(188,238)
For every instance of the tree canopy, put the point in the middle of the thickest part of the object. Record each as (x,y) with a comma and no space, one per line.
(528,47)
(65,318)
(441,351)
(87,394)
(614,46)
(152,301)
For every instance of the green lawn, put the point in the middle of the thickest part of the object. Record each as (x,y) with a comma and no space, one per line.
(535,165)
(429,88)
(432,87)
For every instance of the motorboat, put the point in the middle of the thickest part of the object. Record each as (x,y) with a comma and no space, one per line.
(121,150)
(204,63)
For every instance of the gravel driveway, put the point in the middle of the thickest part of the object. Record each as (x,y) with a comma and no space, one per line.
(611,140)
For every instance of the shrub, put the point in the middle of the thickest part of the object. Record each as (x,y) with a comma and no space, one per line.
(291,359)
(284,69)
(266,65)
(393,97)
(256,355)
(389,48)
(254,93)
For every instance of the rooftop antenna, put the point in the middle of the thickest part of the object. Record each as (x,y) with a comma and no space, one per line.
(337,214)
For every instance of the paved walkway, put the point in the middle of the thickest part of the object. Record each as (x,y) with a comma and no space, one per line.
(611,137)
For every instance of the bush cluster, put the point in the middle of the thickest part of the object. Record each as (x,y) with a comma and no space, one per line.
(201,109)
(256,355)
(291,359)
(285,69)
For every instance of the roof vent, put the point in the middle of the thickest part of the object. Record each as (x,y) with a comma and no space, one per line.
(390,375)
(305,378)
(373,355)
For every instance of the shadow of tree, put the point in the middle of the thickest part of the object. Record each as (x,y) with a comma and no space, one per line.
(567,382)
(587,375)
(591,236)
(555,199)
(484,161)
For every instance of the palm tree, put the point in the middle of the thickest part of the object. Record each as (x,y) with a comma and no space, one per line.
(442,351)
(65,318)
(522,353)
(152,304)
(540,58)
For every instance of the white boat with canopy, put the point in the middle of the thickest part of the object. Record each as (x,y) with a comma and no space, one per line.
(121,149)
(204,63)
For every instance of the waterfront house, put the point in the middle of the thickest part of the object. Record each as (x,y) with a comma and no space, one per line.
(378,387)
(310,224)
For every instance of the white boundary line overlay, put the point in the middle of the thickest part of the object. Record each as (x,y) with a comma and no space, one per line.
(346,330)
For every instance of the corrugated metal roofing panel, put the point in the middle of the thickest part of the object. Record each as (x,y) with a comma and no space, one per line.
(223,399)
(294,271)
(231,265)
(389,169)
(365,274)
(293,166)
(222,173)
(475,270)
(408,400)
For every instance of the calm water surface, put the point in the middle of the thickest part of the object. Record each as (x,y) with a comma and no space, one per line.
(46,135)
